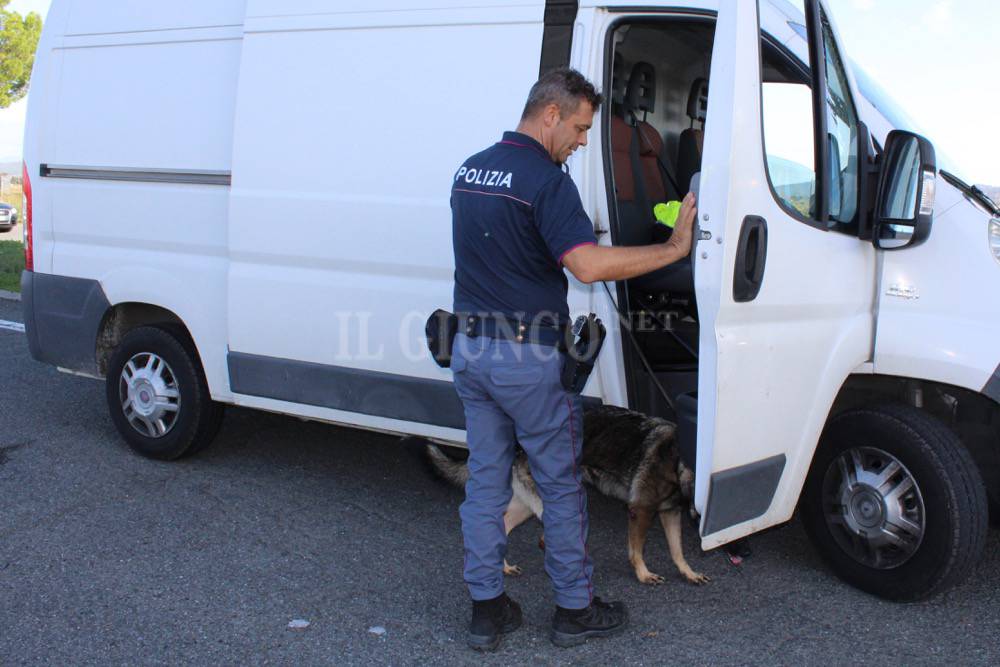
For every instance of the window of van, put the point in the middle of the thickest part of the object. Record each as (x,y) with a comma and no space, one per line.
(789,130)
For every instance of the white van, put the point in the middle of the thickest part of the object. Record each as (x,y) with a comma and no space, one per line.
(246,202)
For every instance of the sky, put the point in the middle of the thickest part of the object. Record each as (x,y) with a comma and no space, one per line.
(939,60)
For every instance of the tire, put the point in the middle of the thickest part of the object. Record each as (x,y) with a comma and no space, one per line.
(904,547)
(161,406)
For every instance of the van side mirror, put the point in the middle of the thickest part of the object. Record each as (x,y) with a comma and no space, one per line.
(904,204)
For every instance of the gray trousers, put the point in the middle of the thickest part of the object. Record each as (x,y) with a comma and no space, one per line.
(513,390)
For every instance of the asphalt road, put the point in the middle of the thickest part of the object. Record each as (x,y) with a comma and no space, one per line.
(108,558)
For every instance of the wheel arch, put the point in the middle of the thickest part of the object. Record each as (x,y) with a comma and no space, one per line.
(121,318)
(973,415)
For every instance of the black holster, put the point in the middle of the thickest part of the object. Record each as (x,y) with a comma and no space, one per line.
(440,330)
(581,354)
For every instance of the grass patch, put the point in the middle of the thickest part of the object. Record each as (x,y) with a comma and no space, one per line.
(11,265)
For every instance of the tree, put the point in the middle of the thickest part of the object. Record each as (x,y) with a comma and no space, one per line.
(18,40)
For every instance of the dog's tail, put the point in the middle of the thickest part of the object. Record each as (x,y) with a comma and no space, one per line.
(450,470)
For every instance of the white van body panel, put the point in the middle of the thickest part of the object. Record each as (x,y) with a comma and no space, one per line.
(158,243)
(608,380)
(944,331)
(937,318)
(96,17)
(336,230)
(42,112)
(940,322)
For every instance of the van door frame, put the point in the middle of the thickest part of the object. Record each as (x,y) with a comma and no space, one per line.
(631,15)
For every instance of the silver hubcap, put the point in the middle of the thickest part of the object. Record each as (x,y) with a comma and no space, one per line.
(873,507)
(149,394)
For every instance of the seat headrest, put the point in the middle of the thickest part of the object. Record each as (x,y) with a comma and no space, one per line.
(698,100)
(640,95)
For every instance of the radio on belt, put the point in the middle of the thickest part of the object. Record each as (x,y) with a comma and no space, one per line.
(581,354)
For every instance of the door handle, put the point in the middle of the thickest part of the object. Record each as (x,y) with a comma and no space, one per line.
(751,256)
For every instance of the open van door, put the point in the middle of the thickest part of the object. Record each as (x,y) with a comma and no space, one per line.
(784,285)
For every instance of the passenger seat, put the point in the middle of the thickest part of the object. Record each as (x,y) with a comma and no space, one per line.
(637,219)
(638,181)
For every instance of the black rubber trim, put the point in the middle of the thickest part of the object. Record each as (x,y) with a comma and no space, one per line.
(61,318)
(992,386)
(821,147)
(351,389)
(743,493)
(185,177)
(28,312)
(557,36)
(644,9)
(348,389)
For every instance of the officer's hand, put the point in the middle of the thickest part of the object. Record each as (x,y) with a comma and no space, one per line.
(683,230)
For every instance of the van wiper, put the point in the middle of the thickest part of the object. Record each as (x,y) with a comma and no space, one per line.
(971,191)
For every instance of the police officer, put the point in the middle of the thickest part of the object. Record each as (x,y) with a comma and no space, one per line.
(517,220)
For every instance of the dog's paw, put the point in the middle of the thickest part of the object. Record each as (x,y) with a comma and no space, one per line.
(650,579)
(512,570)
(696,578)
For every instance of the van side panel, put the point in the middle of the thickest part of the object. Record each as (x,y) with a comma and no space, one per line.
(162,105)
(96,17)
(348,136)
(937,321)
(149,88)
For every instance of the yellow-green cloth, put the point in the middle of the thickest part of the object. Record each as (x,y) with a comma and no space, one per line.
(666,213)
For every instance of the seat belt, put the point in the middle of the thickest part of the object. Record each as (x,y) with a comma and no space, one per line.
(638,173)
(659,160)
(627,325)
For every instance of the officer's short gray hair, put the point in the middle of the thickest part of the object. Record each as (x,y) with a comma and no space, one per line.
(564,87)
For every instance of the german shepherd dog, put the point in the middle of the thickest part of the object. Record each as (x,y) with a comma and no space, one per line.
(626,455)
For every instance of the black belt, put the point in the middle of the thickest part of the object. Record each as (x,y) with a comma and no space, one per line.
(512,329)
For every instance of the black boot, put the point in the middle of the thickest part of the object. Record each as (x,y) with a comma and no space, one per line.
(490,619)
(571,627)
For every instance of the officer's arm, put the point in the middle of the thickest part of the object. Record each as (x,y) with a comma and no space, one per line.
(591,263)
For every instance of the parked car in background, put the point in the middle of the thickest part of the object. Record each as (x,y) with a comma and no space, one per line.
(8,217)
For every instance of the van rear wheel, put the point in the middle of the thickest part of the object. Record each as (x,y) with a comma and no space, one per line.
(894,503)
(157,394)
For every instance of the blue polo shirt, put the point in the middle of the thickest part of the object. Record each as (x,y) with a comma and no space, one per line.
(515,215)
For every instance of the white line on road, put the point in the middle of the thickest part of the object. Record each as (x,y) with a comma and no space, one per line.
(12,326)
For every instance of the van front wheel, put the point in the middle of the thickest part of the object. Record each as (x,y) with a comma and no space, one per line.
(157,394)
(894,503)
